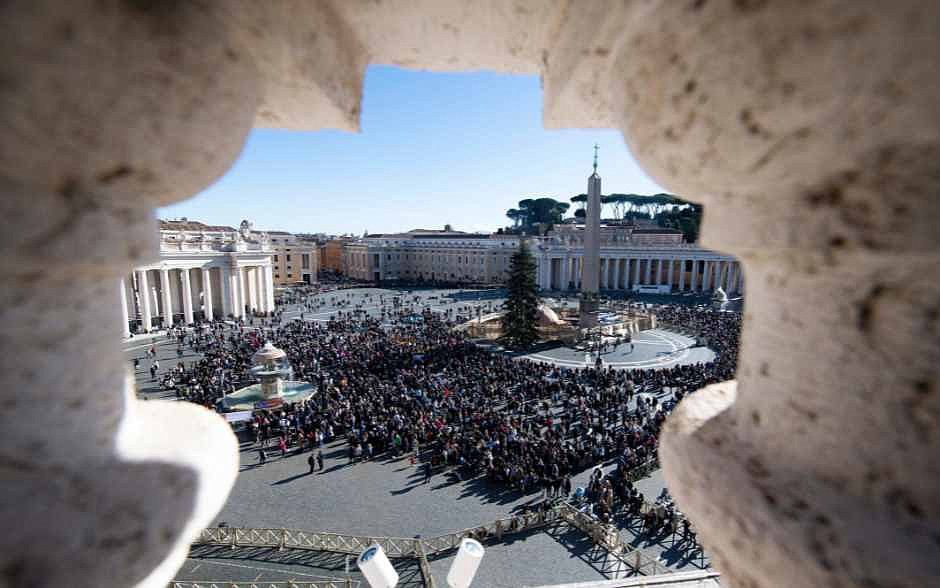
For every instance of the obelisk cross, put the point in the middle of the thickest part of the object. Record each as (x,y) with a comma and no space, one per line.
(595,157)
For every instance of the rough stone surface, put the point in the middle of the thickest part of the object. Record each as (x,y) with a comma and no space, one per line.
(808,128)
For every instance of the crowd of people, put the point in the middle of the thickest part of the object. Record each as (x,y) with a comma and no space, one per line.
(404,383)
(395,379)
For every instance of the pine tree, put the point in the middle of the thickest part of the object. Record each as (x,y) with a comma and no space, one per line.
(521,306)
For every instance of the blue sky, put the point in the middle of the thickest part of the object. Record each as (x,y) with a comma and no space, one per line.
(434,149)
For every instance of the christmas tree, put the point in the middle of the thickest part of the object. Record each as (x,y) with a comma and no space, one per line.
(521,316)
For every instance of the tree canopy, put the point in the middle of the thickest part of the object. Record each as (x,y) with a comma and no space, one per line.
(624,205)
(534,214)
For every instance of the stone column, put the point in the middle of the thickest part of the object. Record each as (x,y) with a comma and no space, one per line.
(636,271)
(648,279)
(108,114)
(125,326)
(717,281)
(269,289)
(225,294)
(187,295)
(671,273)
(819,467)
(682,264)
(548,270)
(706,275)
(166,301)
(207,309)
(617,262)
(265,299)
(143,289)
(563,270)
(246,290)
(693,278)
(238,293)
(256,281)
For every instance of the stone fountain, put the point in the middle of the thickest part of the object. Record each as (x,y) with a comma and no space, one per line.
(274,387)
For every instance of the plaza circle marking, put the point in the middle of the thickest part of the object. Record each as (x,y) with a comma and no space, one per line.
(670,339)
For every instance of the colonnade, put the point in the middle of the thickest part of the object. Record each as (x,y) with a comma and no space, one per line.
(682,274)
(164,296)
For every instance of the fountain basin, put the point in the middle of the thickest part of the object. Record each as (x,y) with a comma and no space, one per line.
(252,398)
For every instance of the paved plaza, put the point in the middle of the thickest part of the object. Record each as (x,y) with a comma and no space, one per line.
(387,497)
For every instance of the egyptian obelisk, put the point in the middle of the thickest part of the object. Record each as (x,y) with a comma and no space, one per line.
(592,252)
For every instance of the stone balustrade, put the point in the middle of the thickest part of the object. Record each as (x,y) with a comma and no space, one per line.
(808,130)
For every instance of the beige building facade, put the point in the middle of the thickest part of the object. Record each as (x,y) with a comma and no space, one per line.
(331,254)
(632,258)
(294,259)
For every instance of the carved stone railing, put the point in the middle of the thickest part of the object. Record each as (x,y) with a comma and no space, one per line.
(811,136)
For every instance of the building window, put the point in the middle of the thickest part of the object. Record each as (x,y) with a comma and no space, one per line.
(305,261)
(290,275)
(288,257)
(275,258)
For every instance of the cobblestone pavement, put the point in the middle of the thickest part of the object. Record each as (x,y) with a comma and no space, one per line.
(383,498)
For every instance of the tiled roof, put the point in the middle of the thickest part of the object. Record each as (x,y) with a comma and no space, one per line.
(656,231)
(189,225)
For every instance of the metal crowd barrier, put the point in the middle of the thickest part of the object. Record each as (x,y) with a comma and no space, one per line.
(394,547)
(339,583)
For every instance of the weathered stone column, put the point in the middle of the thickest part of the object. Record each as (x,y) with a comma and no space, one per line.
(261,297)
(565,264)
(107,112)
(812,136)
(207,309)
(166,301)
(143,289)
(187,294)
(246,289)
(269,288)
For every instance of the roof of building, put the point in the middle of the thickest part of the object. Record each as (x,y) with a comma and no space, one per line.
(428,234)
(276,232)
(443,235)
(659,231)
(190,225)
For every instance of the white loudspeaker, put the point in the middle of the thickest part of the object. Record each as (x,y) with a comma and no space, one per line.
(465,564)
(374,565)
